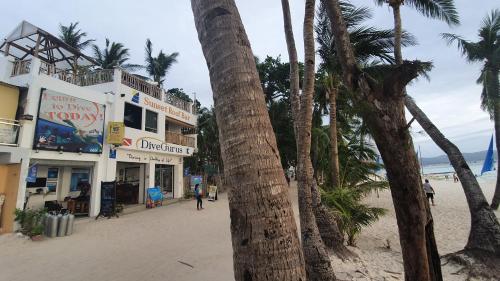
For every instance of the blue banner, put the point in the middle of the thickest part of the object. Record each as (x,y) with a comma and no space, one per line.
(32,172)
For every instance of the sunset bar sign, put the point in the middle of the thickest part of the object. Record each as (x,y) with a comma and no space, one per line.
(67,123)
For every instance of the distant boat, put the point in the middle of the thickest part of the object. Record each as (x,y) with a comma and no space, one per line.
(488,161)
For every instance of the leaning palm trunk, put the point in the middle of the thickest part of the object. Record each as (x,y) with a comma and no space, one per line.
(496,115)
(325,221)
(485,229)
(318,266)
(432,251)
(334,150)
(383,111)
(264,233)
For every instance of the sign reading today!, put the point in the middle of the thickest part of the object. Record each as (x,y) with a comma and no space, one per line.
(69,123)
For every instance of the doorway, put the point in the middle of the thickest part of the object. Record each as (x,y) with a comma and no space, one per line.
(164,178)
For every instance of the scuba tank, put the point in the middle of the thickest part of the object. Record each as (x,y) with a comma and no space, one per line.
(71,221)
(46,226)
(52,226)
(63,223)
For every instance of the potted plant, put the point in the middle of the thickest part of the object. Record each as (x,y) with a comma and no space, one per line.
(31,222)
(36,233)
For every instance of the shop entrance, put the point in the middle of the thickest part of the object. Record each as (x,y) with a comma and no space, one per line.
(164,178)
(130,179)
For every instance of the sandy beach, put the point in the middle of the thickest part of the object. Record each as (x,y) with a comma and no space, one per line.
(177,242)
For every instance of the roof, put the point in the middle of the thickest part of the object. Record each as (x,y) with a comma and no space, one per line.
(28,40)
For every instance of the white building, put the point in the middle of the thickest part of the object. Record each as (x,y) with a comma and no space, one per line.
(55,122)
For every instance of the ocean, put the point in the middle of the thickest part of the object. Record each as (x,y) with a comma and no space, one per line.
(443,169)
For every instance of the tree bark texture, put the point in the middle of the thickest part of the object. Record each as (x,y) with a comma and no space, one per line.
(334,150)
(326,223)
(318,265)
(294,64)
(485,229)
(496,115)
(264,233)
(432,251)
(383,110)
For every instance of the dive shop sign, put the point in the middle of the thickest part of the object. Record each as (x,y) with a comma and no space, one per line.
(159,146)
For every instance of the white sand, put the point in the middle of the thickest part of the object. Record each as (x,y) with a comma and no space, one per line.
(149,245)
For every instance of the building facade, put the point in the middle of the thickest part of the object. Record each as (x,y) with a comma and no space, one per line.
(55,108)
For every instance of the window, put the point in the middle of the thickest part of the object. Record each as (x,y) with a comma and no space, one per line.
(132,116)
(79,176)
(151,121)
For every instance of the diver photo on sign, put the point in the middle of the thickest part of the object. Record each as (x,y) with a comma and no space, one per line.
(70,124)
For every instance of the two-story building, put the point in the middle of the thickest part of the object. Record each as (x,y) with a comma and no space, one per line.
(55,104)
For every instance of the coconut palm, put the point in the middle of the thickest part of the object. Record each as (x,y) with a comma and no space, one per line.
(157,67)
(487,52)
(113,55)
(264,233)
(371,46)
(73,36)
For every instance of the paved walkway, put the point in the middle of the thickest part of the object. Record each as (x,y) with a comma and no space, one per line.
(148,245)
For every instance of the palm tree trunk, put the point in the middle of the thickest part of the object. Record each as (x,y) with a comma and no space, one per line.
(334,150)
(325,221)
(496,115)
(264,233)
(432,251)
(318,266)
(485,229)
(385,116)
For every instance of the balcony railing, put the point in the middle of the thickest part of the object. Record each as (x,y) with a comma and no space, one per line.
(20,67)
(85,78)
(177,102)
(141,85)
(179,139)
(9,131)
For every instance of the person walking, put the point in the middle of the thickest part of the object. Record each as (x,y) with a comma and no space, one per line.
(197,195)
(455,178)
(429,191)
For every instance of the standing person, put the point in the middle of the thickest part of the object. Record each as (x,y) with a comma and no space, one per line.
(455,178)
(429,191)
(197,194)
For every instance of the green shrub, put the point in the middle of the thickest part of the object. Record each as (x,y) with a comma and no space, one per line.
(30,221)
(352,214)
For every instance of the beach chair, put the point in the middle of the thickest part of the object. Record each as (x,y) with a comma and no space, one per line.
(155,197)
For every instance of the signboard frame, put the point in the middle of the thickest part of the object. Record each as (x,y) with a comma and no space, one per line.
(36,144)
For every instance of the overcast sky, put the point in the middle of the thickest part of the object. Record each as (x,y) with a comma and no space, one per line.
(450,98)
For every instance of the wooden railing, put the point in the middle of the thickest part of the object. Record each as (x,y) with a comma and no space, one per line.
(9,131)
(20,67)
(141,85)
(179,139)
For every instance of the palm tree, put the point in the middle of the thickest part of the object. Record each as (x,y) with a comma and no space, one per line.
(263,229)
(73,36)
(382,107)
(485,232)
(487,52)
(371,46)
(113,55)
(157,67)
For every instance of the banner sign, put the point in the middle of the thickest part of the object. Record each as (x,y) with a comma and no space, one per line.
(116,133)
(68,123)
(32,172)
(151,144)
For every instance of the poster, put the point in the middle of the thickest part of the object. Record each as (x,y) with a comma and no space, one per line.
(32,172)
(67,123)
(116,133)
